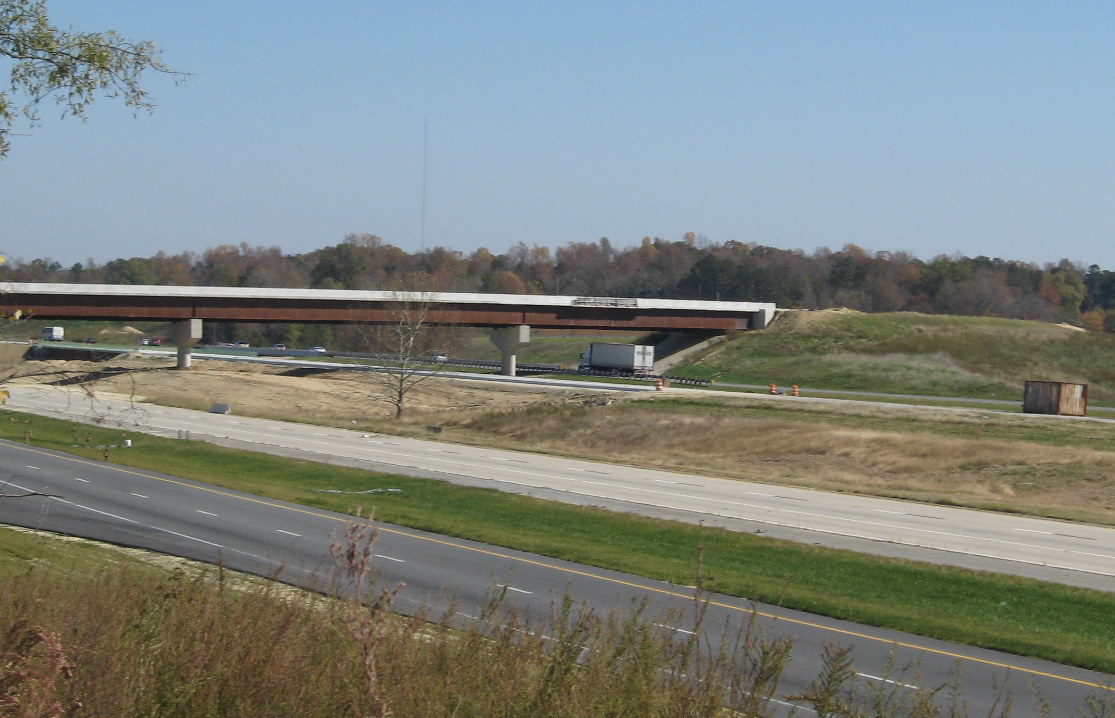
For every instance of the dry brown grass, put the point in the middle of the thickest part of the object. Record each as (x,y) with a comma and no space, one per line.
(810,452)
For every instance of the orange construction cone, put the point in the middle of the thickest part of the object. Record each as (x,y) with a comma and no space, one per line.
(658,384)
(796,390)
(773,388)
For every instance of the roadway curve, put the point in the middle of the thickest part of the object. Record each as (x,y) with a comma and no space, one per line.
(276,539)
(1070,553)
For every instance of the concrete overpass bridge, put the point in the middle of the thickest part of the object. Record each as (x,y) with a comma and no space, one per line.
(510,316)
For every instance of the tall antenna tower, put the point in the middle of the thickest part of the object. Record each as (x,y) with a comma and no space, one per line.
(425,147)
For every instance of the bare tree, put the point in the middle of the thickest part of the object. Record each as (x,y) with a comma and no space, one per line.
(413,350)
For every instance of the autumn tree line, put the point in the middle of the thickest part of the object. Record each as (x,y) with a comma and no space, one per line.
(689,268)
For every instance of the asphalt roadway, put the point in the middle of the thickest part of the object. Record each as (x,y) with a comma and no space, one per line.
(99,500)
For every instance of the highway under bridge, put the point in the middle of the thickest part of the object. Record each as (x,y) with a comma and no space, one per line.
(509,316)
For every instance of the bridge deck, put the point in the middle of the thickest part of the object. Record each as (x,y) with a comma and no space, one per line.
(249,304)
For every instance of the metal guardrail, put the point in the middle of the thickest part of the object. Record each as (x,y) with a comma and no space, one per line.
(451,361)
(686,381)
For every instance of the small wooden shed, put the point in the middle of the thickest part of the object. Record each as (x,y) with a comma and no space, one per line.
(1055,397)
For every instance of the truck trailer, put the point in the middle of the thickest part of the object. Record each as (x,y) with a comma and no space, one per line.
(619,358)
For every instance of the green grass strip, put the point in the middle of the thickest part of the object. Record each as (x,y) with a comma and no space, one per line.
(1016,615)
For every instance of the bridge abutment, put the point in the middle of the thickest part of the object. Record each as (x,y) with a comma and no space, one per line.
(762,317)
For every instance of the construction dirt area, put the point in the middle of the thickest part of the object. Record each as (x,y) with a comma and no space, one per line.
(311,395)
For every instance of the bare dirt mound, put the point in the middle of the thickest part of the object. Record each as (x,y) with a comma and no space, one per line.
(798,319)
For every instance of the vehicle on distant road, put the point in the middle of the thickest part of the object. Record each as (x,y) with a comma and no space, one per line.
(278,345)
(618,358)
(319,350)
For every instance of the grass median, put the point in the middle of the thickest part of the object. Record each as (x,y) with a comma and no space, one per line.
(1020,616)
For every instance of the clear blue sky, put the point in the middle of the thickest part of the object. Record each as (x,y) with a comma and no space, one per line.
(979,128)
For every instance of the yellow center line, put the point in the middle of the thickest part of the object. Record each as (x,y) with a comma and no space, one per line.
(587,574)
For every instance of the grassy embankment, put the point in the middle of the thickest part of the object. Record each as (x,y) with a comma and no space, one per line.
(907,353)
(1015,615)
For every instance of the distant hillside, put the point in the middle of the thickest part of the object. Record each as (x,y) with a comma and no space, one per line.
(911,353)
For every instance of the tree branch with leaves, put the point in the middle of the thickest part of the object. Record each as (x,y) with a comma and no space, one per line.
(72,68)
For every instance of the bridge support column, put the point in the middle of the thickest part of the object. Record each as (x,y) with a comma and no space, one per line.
(185,334)
(509,339)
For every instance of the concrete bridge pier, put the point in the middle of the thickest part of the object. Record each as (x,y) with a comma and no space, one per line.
(185,334)
(509,339)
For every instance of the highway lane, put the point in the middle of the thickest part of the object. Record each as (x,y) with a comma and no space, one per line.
(271,538)
(1076,554)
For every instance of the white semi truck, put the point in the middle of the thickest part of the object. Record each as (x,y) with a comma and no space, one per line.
(619,358)
(53,334)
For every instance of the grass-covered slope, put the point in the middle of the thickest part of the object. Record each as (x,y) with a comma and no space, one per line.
(907,353)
